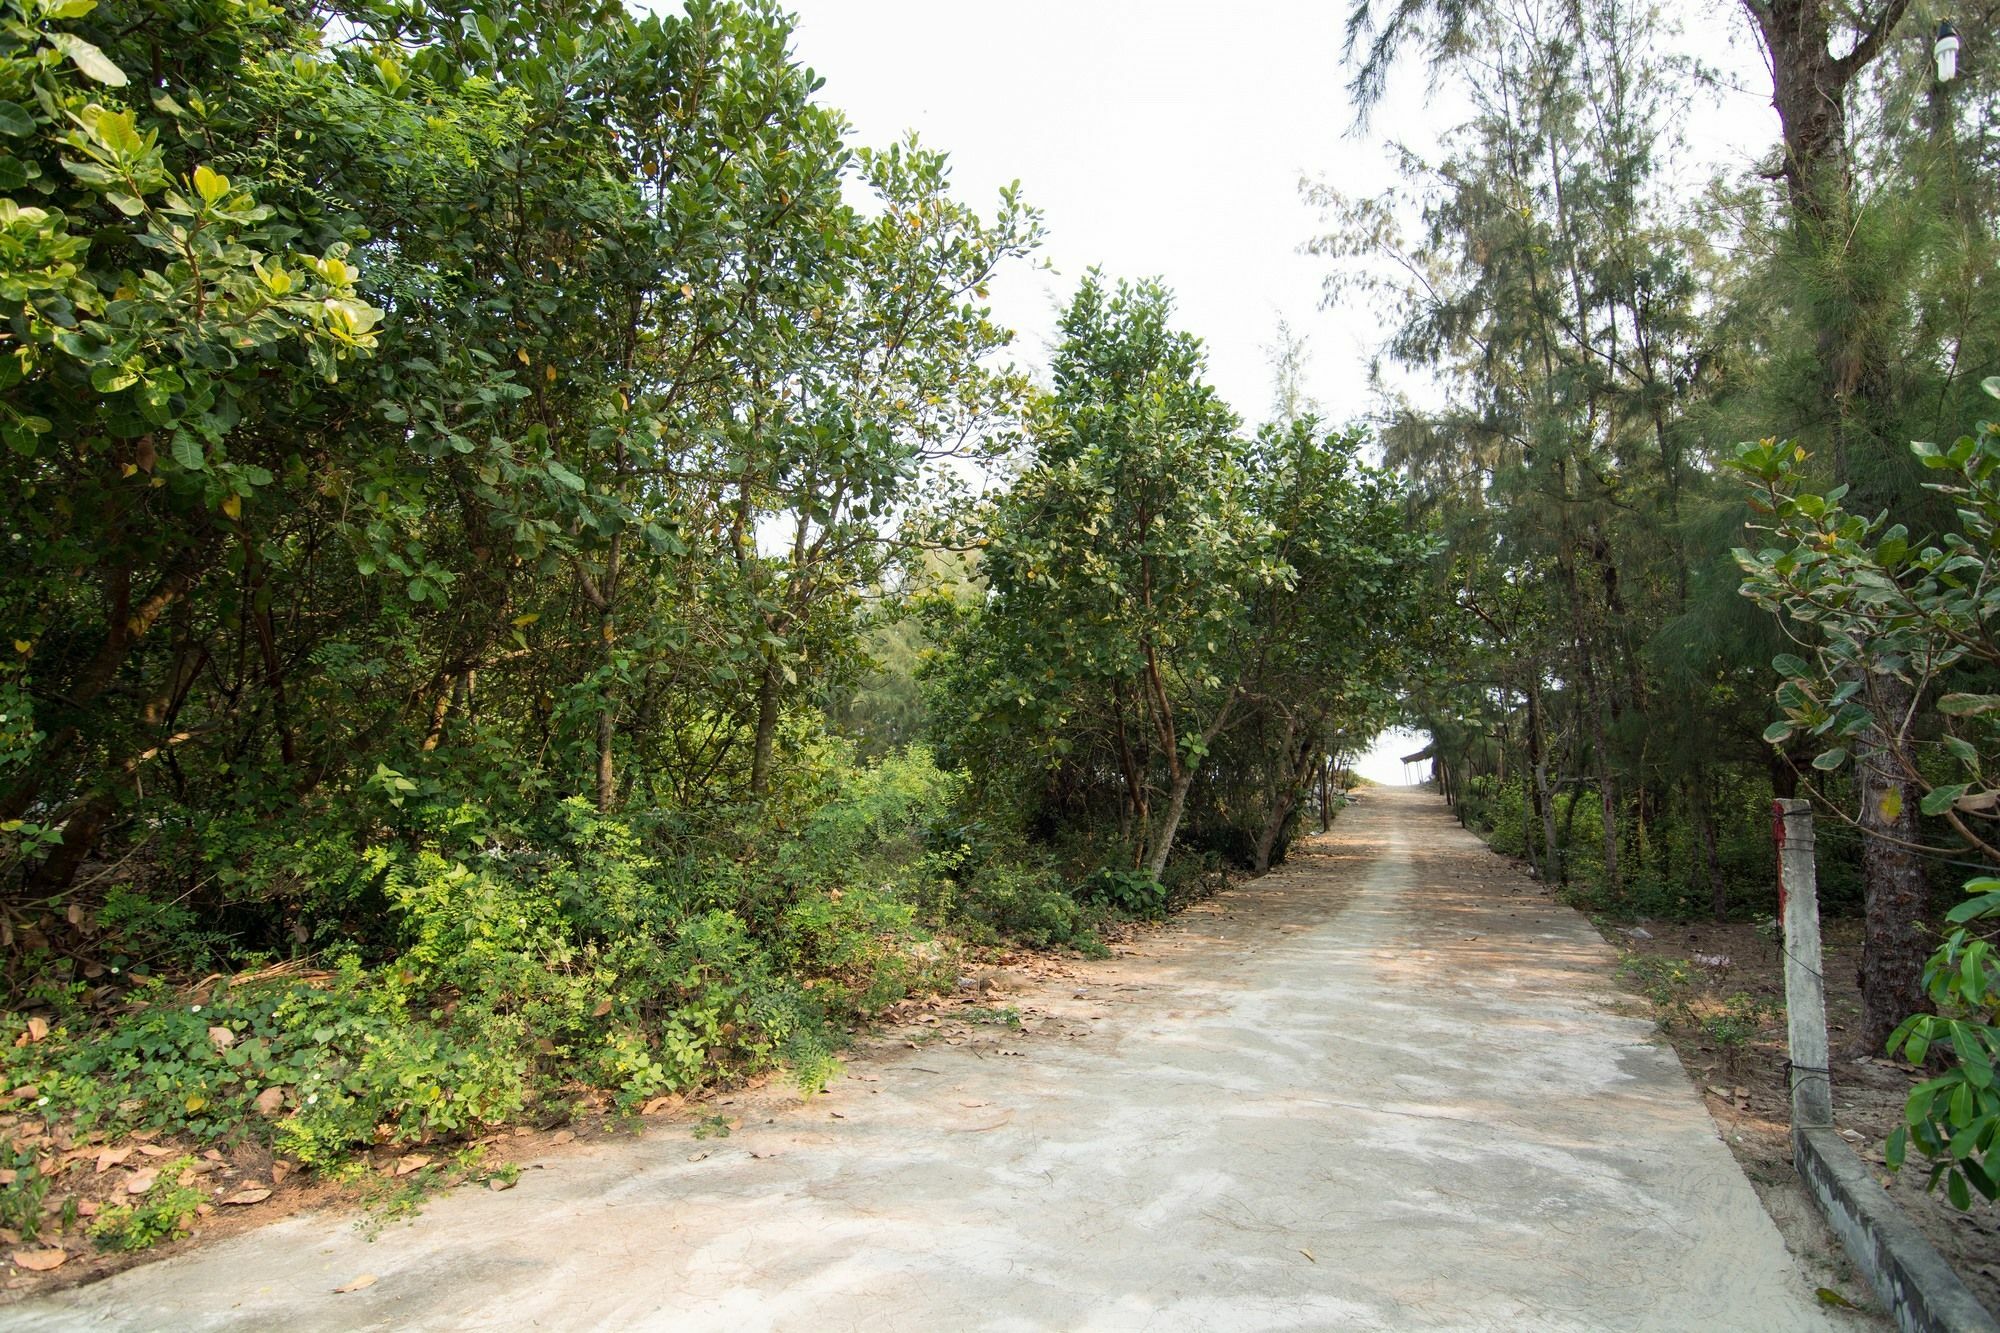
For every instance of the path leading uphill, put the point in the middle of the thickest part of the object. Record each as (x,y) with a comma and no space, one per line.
(1388,1087)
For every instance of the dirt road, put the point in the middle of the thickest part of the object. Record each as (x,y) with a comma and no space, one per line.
(1388,1087)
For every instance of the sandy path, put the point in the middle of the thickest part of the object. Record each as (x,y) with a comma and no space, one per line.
(1389,1087)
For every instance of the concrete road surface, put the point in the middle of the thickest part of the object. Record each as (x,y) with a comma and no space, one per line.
(1388,1087)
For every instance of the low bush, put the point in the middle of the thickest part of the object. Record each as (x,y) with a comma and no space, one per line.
(512,963)
(1131,892)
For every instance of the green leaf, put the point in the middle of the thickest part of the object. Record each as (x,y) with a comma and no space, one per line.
(1938,801)
(212,186)
(188,453)
(111,379)
(1786,664)
(93,62)
(1966,705)
(16,120)
(564,475)
(1778,732)
(1829,760)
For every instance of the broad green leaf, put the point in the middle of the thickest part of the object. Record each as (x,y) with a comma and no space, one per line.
(210,185)
(93,62)
(1939,800)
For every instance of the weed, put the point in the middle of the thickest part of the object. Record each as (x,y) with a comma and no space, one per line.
(1667,982)
(1132,892)
(1006,1016)
(21,1197)
(166,1210)
(1736,1023)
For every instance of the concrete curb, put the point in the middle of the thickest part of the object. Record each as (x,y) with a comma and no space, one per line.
(1919,1289)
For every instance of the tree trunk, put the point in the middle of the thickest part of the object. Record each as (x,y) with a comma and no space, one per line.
(767,729)
(1568,829)
(1895,943)
(1701,804)
(1545,809)
(1294,784)
(1170,822)
(1267,837)
(607,778)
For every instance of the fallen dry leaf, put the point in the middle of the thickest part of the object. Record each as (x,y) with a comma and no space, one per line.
(497,1183)
(40,1261)
(142,1181)
(155,1150)
(671,1102)
(416,1161)
(255,1194)
(279,1170)
(213,1155)
(365,1280)
(222,1037)
(38,1028)
(563,1136)
(111,1157)
(86,1208)
(603,1008)
(270,1101)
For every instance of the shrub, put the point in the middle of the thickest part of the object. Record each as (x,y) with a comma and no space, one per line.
(1131,892)
(167,1208)
(1027,903)
(1954,1119)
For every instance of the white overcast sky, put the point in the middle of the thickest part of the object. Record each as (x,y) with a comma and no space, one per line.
(1166,138)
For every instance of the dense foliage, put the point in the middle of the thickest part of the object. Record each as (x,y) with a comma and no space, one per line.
(1609,322)
(481,486)
(1180,624)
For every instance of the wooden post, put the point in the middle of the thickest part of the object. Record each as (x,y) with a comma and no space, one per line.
(1805,987)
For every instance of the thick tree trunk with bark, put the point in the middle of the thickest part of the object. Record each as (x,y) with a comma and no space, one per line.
(1895,943)
(1170,822)
(1303,763)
